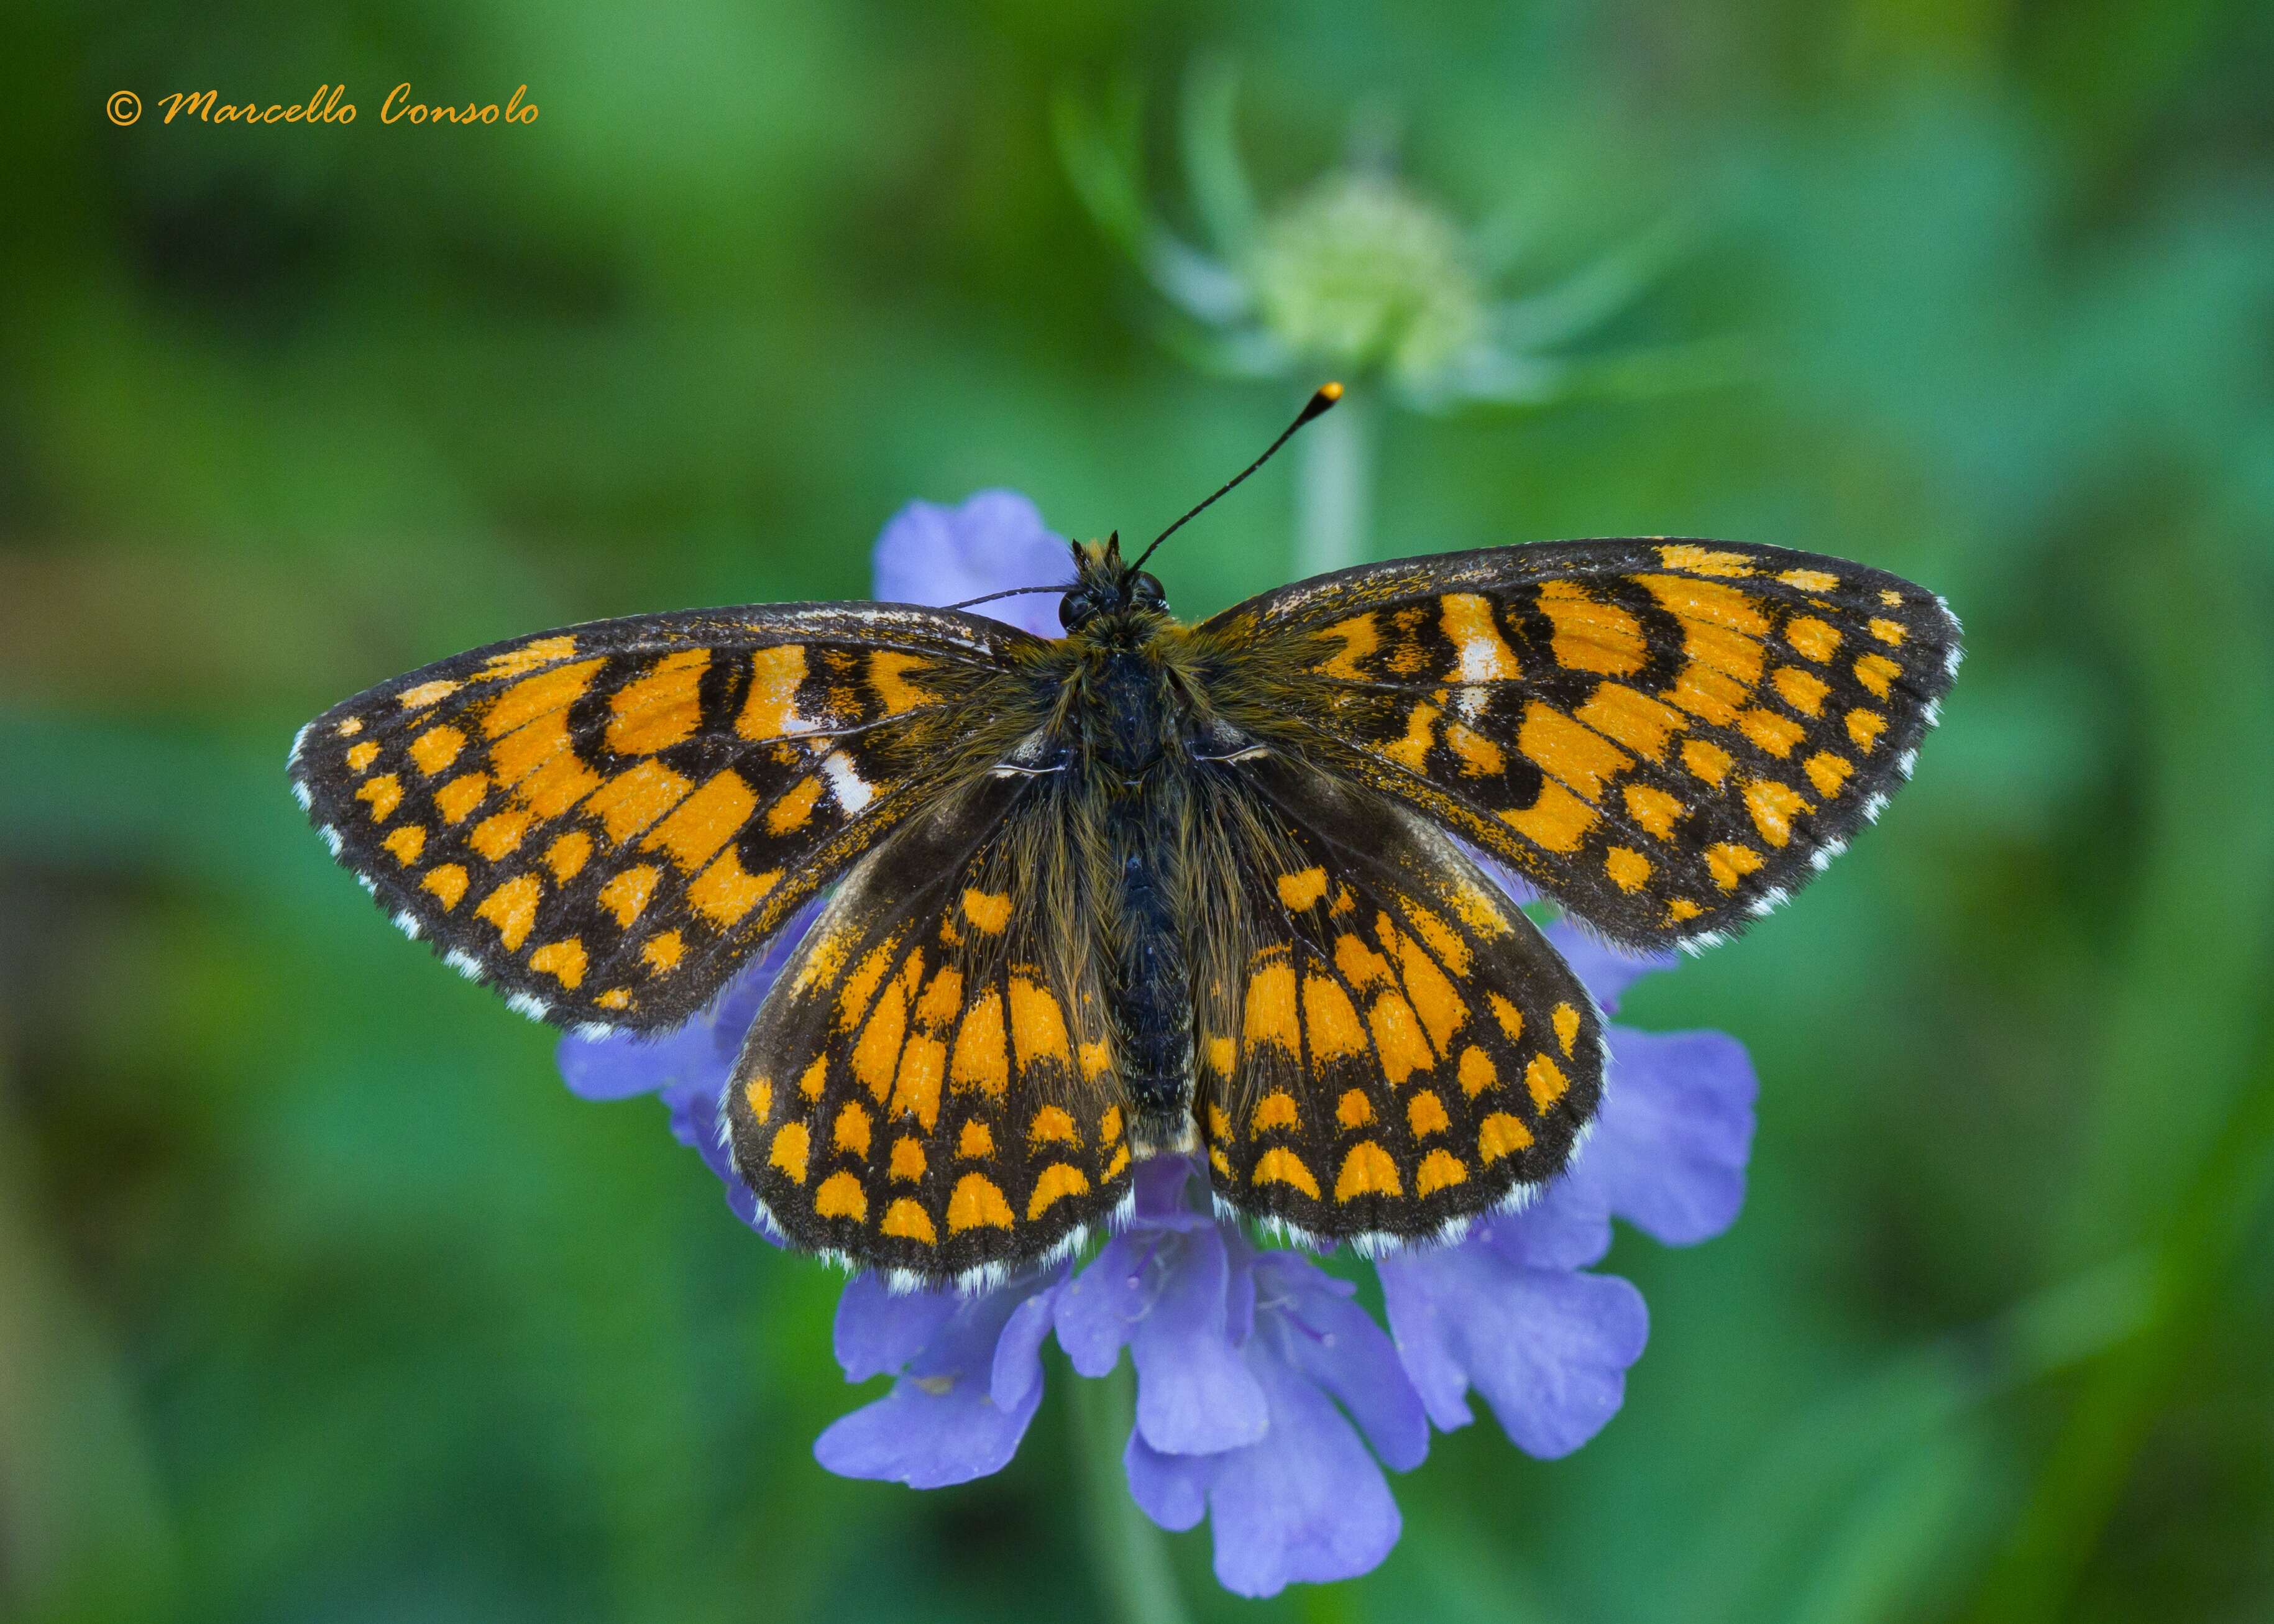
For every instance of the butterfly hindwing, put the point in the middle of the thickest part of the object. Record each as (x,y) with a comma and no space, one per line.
(605,820)
(931,1088)
(1386,1044)
(1665,736)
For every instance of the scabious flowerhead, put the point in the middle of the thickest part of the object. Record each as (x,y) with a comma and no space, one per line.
(1269,1401)
(1359,274)
(1363,275)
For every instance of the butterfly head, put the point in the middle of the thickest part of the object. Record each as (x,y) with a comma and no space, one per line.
(1106,588)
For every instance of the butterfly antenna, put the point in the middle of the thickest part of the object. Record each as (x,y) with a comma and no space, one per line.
(1013,591)
(1315,407)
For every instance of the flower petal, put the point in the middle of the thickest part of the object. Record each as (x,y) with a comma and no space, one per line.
(1422,1324)
(1678,1127)
(689,1064)
(1606,970)
(1306,1504)
(1195,1394)
(941,1423)
(933,554)
(1568,1227)
(1015,1377)
(1547,1348)
(624,1063)
(1160,1200)
(1171,1489)
(1096,1313)
(879,1331)
(1336,1344)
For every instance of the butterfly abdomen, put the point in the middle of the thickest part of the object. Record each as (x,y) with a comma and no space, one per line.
(1130,724)
(1152,1000)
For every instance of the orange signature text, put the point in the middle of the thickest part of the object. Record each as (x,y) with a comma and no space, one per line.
(329,106)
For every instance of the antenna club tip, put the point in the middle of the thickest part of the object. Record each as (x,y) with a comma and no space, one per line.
(1321,398)
(1325,396)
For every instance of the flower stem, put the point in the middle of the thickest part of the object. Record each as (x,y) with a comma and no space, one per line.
(1131,1555)
(1334,492)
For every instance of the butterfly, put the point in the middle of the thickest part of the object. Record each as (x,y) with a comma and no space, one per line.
(1150,888)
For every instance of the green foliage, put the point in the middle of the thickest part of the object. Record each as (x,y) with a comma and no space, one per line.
(320,1297)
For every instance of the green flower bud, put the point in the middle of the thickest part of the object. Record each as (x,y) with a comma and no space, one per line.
(1358,274)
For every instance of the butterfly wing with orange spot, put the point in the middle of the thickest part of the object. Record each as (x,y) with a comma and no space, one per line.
(1386,1045)
(930,1090)
(1665,736)
(604,821)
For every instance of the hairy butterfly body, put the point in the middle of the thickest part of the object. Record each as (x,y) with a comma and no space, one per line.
(1148,888)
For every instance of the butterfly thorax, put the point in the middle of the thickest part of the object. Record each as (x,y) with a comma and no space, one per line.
(1124,700)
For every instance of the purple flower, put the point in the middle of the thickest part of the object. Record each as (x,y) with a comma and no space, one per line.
(1242,1359)
(1269,1401)
(931,554)
(1511,1311)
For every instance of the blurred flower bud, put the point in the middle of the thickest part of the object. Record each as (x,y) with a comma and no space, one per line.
(1362,275)
(1358,275)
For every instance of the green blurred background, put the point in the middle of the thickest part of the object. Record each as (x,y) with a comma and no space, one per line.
(321,1298)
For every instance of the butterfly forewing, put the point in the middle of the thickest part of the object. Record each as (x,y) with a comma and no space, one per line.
(1666,736)
(1387,1046)
(931,1087)
(605,820)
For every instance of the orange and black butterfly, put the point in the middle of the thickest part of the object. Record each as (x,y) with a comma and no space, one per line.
(1148,888)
